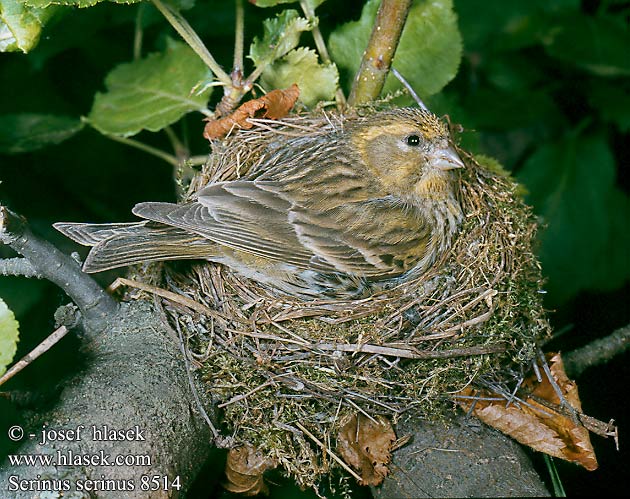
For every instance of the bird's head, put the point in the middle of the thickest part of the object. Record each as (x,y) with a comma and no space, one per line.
(408,152)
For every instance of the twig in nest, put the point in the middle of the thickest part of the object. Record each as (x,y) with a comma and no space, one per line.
(169,295)
(325,448)
(215,433)
(412,354)
(564,403)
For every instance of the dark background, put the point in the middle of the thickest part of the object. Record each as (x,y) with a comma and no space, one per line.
(538,80)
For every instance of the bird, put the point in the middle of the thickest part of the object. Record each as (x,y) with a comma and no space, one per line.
(337,214)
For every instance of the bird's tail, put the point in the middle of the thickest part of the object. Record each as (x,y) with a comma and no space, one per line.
(118,245)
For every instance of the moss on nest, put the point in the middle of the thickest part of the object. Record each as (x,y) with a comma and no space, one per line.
(271,361)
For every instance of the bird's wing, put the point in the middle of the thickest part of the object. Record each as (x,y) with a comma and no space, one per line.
(91,234)
(259,218)
(241,215)
(372,239)
(147,242)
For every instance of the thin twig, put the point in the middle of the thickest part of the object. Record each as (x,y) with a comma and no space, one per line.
(242,396)
(43,347)
(552,380)
(412,353)
(340,98)
(597,352)
(329,452)
(193,388)
(410,89)
(169,295)
(146,148)
(181,151)
(192,39)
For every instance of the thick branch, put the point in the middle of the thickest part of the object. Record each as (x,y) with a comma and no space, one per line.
(96,305)
(136,383)
(459,457)
(597,352)
(377,59)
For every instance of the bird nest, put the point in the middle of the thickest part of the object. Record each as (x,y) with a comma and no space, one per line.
(285,371)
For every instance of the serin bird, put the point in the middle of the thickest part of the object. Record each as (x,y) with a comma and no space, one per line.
(330,214)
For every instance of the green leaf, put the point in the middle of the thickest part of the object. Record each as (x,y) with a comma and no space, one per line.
(281,35)
(28,132)
(597,44)
(23,295)
(151,93)
(612,100)
(429,51)
(21,25)
(9,336)
(514,71)
(74,3)
(499,25)
(272,3)
(495,109)
(611,268)
(317,82)
(180,4)
(571,183)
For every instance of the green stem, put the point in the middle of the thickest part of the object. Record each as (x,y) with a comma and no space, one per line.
(317,34)
(146,148)
(196,160)
(239,35)
(377,59)
(192,39)
(321,45)
(181,152)
(138,32)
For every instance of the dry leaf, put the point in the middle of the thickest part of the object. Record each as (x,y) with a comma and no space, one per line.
(366,446)
(244,471)
(273,105)
(534,423)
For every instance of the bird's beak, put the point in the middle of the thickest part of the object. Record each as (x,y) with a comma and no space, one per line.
(446,159)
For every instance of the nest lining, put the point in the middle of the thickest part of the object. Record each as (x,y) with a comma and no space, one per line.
(271,360)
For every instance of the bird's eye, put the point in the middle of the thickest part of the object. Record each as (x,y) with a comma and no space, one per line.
(413,140)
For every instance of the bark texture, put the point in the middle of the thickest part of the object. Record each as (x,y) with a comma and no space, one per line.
(459,458)
(136,381)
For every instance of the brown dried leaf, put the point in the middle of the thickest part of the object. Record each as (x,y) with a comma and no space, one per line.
(244,471)
(366,446)
(274,105)
(535,424)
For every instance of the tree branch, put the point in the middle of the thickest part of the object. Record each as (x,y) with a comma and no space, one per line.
(378,56)
(18,267)
(135,383)
(458,457)
(597,352)
(96,305)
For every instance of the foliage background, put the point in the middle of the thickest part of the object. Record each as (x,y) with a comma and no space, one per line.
(544,86)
